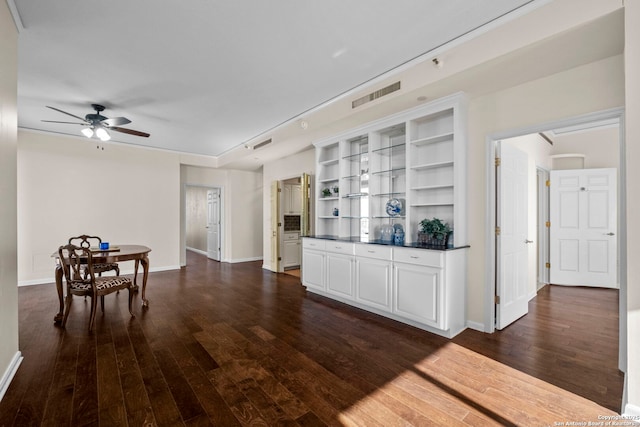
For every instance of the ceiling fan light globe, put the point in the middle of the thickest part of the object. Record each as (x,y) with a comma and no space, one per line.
(88,132)
(103,134)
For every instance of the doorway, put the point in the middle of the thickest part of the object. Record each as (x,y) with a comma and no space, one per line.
(601,119)
(290,221)
(203,221)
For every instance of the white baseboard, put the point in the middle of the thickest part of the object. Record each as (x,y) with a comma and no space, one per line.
(234,261)
(632,412)
(198,251)
(48,280)
(9,373)
(476,326)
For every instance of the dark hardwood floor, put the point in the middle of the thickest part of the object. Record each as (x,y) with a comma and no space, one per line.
(234,345)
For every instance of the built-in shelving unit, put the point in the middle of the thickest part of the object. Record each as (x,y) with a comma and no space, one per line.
(417,156)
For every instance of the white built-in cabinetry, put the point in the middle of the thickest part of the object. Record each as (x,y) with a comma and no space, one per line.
(422,287)
(292,249)
(417,156)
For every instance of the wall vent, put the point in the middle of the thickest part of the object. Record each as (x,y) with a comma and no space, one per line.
(375,95)
(262,144)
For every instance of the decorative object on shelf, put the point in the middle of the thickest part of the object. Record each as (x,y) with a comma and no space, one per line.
(398,236)
(394,207)
(433,232)
(326,192)
(336,212)
(336,190)
(386,233)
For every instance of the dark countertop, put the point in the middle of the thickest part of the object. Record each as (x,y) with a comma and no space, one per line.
(356,239)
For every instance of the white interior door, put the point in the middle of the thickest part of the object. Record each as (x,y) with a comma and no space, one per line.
(512,241)
(583,214)
(213,224)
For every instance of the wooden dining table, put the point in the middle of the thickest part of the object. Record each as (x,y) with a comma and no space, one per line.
(117,253)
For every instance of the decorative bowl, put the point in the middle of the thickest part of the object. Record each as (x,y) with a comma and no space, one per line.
(394,207)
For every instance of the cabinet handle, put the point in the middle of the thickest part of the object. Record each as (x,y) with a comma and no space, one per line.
(338,247)
(414,257)
(372,252)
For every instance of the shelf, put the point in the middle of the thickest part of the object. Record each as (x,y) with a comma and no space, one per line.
(433,139)
(396,193)
(355,176)
(328,198)
(328,179)
(328,162)
(432,165)
(328,217)
(354,217)
(432,187)
(389,217)
(356,157)
(418,205)
(387,151)
(355,195)
(388,171)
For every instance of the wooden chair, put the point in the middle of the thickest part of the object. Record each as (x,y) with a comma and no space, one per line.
(78,267)
(86,241)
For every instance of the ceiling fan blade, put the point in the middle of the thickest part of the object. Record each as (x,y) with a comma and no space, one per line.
(116,121)
(68,123)
(129,131)
(68,114)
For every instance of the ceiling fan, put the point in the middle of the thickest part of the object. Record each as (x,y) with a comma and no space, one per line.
(98,125)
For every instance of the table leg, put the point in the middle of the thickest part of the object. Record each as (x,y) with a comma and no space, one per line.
(145,267)
(59,273)
(135,276)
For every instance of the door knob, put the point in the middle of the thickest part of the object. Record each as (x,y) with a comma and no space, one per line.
(528,241)
(609,234)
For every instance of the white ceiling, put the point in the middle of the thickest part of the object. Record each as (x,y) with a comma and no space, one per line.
(204,77)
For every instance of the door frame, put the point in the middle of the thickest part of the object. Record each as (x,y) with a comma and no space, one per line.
(184,215)
(542,176)
(490,207)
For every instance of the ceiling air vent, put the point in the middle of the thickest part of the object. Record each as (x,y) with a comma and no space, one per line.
(375,95)
(262,144)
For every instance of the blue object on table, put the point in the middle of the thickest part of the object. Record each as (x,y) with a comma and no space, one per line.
(104,245)
(398,237)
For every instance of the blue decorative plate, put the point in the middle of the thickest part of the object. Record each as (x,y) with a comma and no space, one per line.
(394,207)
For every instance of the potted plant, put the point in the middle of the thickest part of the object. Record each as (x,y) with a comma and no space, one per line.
(433,232)
(326,192)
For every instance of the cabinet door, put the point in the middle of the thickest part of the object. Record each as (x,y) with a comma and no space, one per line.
(340,275)
(313,269)
(286,198)
(373,283)
(296,199)
(291,253)
(417,295)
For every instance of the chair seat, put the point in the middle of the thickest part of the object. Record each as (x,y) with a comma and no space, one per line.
(102,283)
(105,267)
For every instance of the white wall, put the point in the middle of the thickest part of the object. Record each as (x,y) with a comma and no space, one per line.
(600,146)
(68,187)
(285,168)
(241,209)
(9,354)
(632,137)
(592,87)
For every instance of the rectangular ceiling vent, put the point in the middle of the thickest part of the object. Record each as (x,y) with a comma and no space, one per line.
(262,144)
(375,95)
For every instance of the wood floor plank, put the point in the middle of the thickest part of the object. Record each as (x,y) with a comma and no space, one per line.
(235,345)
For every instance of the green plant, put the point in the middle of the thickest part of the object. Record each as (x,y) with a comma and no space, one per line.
(435,228)
(326,192)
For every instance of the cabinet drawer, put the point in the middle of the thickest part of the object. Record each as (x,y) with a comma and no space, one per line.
(418,256)
(317,244)
(339,247)
(374,251)
(291,236)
